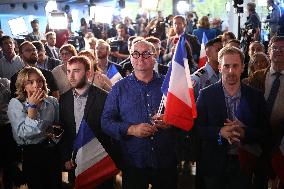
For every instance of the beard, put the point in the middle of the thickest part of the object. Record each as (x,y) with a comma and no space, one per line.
(102,56)
(80,84)
(32,60)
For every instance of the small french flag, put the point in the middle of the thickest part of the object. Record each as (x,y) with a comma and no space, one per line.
(113,74)
(180,109)
(203,58)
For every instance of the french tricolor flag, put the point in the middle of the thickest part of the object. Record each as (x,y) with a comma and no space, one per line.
(113,74)
(94,166)
(180,109)
(203,58)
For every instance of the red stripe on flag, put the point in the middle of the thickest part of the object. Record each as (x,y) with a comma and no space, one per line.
(178,113)
(202,61)
(97,174)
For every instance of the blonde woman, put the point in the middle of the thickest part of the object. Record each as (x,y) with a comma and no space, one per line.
(96,78)
(32,115)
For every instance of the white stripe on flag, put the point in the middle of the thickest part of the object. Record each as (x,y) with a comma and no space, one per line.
(88,155)
(115,78)
(179,84)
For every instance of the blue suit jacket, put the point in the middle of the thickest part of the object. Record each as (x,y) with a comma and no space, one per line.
(212,114)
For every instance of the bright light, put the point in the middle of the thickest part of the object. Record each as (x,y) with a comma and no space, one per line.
(57,20)
(18,26)
(182,7)
(126,12)
(150,4)
(75,16)
(50,6)
(102,14)
(228,6)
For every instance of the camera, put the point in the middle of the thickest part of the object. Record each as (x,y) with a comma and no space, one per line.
(115,45)
(248,31)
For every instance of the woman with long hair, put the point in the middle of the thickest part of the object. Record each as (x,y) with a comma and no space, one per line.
(33,116)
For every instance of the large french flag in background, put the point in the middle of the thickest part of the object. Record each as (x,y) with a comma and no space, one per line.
(94,166)
(180,109)
(203,58)
(113,74)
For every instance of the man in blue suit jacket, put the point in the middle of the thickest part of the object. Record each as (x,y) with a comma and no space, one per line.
(231,124)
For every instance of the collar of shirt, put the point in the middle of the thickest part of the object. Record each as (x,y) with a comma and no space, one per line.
(236,96)
(85,93)
(51,48)
(12,60)
(210,71)
(272,71)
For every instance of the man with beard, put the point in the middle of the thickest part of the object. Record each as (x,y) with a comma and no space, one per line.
(10,63)
(83,101)
(36,35)
(103,52)
(231,124)
(28,54)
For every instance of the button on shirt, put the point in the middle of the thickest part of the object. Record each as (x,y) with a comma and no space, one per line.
(32,131)
(8,69)
(132,102)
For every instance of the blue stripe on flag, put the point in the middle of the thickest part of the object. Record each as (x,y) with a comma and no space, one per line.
(204,39)
(112,71)
(84,135)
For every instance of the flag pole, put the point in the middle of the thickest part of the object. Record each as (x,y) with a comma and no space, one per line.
(161,106)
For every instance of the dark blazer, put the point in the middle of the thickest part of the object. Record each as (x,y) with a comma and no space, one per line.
(92,113)
(212,113)
(52,63)
(50,54)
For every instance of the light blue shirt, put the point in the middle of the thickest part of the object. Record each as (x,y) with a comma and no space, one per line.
(32,131)
(203,77)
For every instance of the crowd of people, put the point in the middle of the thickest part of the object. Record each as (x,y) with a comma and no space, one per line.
(112,83)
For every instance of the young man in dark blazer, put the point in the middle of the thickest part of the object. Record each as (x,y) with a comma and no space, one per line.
(83,101)
(232,125)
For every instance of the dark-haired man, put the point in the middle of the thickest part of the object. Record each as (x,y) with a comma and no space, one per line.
(10,63)
(83,101)
(44,61)
(36,35)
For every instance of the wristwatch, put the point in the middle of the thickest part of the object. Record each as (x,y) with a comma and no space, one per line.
(30,105)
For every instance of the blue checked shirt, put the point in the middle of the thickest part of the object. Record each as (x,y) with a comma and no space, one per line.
(132,102)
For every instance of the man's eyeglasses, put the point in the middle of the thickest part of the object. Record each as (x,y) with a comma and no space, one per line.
(278,49)
(145,54)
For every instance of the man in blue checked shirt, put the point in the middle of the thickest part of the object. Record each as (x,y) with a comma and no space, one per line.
(147,146)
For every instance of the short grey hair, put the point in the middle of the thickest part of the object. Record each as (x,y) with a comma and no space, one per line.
(230,50)
(146,43)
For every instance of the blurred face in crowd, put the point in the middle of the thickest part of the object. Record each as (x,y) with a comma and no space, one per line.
(231,68)
(51,40)
(41,56)
(142,57)
(65,55)
(276,55)
(260,64)
(212,52)
(77,75)
(8,47)
(29,54)
(255,48)
(157,49)
(102,51)
(35,27)
(179,26)
(121,32)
